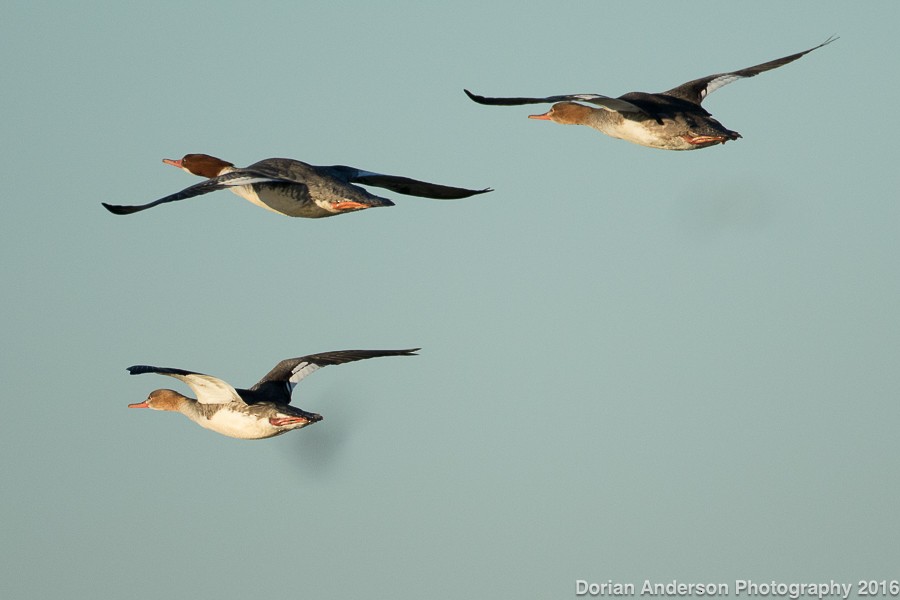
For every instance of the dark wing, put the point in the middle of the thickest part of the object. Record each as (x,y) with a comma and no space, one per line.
(613,104)
(235,178)
(209,389)
(695,91)
(401,185)
(278,383)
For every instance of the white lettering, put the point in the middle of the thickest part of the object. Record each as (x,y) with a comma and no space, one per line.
(607,588)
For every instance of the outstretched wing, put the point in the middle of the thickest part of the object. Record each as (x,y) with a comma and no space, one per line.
(401,185)
(698,89)
(208,389)
(278,383)
(613,104)
(235,178)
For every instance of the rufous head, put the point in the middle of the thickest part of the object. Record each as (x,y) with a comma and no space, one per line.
(161,400)
(203,165)
(566,113)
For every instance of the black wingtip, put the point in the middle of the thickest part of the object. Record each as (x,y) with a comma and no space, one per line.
(117,209)
(474,97)
(464,193)
(460,193)
(406,352)
(830,39)
(138,369)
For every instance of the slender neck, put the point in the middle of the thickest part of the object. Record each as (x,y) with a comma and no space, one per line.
(190,408)
(602,120)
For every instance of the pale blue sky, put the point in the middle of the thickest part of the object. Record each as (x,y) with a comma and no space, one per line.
(636,363)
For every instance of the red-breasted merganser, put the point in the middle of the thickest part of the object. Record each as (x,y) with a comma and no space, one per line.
(672,120)
(294,188)
(262,411)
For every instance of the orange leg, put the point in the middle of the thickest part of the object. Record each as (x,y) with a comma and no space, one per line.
(280,421)
(698,140)
(348,205)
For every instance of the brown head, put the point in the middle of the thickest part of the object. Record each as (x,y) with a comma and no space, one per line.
(566,113)
(203,165)
(161,400)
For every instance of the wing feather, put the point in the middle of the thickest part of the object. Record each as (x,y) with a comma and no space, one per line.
(208,389)
(232,179)
(607,102)
(279,383)
(401,185)
(698,89)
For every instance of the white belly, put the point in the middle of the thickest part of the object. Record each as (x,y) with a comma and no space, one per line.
(248,193)
(636,132)
(239,425)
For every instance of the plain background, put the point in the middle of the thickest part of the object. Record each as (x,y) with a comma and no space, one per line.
(636,363)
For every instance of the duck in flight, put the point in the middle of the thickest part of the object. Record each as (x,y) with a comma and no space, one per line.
(264,410)
(672,120)
(294,188)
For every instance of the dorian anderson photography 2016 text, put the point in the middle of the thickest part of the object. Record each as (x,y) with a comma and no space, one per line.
(741,588)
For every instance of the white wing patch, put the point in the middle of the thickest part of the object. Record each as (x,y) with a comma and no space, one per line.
(249,180)
(300,371)
(210,390)
(718,82)
(610,104)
